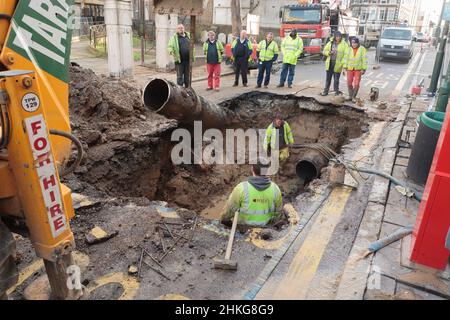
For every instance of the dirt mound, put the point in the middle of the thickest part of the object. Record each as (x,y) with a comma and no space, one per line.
(123,140)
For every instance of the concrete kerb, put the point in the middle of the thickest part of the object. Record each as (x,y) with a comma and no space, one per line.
(356,273)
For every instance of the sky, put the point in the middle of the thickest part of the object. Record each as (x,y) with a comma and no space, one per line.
(432,6)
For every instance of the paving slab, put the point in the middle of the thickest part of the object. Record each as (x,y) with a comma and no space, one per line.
(399,215)
(404,152)
(356,271)
(399,161)
(381,288)
(381,185)
(405,292)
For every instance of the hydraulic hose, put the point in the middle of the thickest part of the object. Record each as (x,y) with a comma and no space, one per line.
(79,146)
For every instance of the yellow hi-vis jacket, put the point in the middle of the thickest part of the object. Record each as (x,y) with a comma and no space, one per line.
(219,48)
(257,208)
(291,49)
(356,62)
(342,50)
(269,53)
(271,136)
(174,47)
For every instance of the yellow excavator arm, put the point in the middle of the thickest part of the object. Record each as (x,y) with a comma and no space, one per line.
(35,139)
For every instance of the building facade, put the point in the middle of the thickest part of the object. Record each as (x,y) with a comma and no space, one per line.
(375,14)
(90,9)
(409,13)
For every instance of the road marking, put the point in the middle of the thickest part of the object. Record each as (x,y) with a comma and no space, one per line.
(295,283)
(129,284)
(255,235)
(398,89)
(26,273)
(417,74)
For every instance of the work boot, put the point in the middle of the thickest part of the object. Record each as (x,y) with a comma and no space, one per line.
(235,85)
(290,86)
(245,85)
(355,93)
(350,94)
(280,85)
(266,87)
(257,87)
(324,93)
(209,89)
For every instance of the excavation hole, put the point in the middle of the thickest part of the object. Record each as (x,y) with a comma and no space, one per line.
(141,166)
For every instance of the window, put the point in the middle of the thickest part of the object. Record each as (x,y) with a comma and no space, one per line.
(382,15)
(391,14)
(301,16)
(397,34)
(373,14)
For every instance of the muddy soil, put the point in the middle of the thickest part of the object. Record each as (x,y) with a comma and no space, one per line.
(128,147)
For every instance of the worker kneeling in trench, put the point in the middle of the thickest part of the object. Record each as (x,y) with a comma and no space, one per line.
(258,200)
(279,137)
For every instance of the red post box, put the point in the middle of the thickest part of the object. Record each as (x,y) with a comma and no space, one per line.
(433,219)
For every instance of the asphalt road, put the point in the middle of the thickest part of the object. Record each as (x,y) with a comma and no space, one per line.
(393,78)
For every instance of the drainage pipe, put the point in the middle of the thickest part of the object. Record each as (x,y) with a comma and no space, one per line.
(184,105)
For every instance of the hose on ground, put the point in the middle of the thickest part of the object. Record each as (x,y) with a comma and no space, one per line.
(384,242)
(416,195)
(79,146)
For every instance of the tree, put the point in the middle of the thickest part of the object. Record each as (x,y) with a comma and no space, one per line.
(236,22)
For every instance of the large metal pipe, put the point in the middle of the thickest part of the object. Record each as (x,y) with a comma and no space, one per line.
(310,165)
(184,105)
(315,158)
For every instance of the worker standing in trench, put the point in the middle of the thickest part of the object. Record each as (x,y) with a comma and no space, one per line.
(258,200)
(285,138)
(355,64)
(179,47)
(267,53)
(335,51)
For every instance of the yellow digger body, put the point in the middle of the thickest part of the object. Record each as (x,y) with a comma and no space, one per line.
(35,40)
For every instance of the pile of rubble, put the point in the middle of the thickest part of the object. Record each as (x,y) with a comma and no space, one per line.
(120,136)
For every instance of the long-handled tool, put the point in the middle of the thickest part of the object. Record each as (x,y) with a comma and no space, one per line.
(226,263)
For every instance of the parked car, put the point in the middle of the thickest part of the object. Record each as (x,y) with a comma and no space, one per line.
(396,43)
(420,37)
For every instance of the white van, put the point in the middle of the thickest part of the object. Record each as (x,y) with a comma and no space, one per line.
(396,43)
